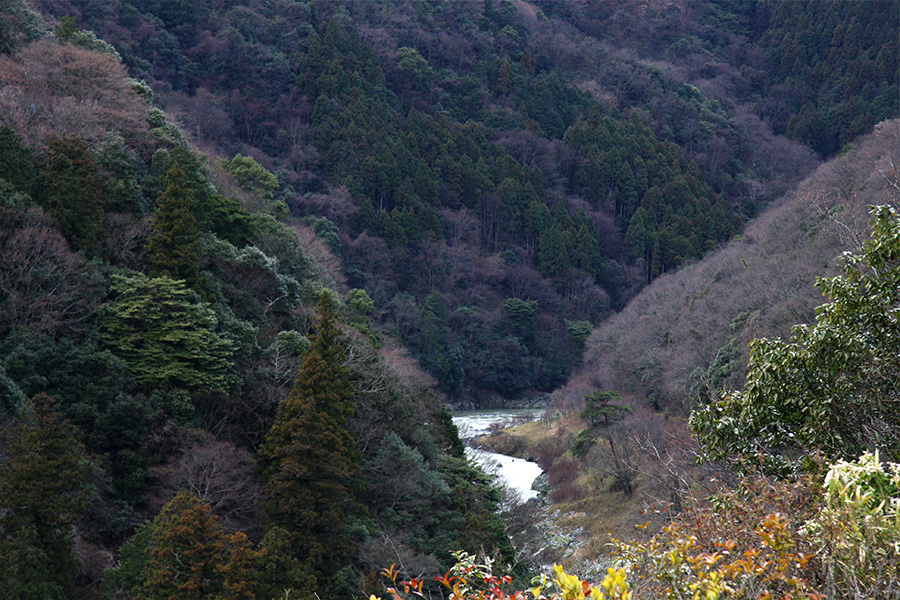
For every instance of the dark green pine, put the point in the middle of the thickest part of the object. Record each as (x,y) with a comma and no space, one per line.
(174,243)
(310,457)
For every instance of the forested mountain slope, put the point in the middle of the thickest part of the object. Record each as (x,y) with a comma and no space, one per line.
(687,332)
(217,217)
(485,169)
(178,358)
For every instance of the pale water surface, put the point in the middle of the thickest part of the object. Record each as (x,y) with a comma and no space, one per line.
(515,473)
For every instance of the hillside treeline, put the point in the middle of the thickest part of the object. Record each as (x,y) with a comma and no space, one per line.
(512,153)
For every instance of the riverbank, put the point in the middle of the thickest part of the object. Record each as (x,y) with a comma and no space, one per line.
(578,513)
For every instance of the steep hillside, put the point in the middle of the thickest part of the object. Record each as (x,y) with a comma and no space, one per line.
(176,351)
(618,453)
(536,162)
(689,329)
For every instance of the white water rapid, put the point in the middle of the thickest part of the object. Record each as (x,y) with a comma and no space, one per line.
(517,474)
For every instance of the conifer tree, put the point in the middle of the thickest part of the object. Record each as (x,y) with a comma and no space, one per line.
(72,193)
(186,552)
(166,335)
(18,165)
(310,456)
(277,569)
(174,243)
(183,554)
(42,494)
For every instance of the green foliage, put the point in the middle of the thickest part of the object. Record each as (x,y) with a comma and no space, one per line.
(126,578)
(42,495)
(601,410)
(275,239)
(226,218)
(70,191)
(418,501)
(474,523)
(123,175)
(580,331)
(92,387)
(253,177)
(833,387)
(214,213)
(361,309)
(19,24)
(11,396)
(328,231)
(174,242)
(12,198)
(858,528)
(669,213)
(278,569)
(250,282)
(361,304)
(310,458)
(185,550)
(67,32)
(184,554)
(413,63)
(505,366)
(292,341)
(166,335)
(520,312)
(843,57)
(83,379)
(570,243)
(18,164)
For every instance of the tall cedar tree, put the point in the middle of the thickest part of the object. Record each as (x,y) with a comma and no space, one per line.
(186,549)
(183,554)
(42,495)
(190,557)
(310,457)
(173,246)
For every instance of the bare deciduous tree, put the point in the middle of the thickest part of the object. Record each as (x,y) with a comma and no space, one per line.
(219,473)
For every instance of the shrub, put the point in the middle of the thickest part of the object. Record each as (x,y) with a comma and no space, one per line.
(472,578)
(858,529)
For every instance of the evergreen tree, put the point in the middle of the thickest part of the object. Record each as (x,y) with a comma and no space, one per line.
(830,390)
(18,165)
(42,495)
(553,252)
(277,569)
(125,579)
(174,243)
(71,192)
(186,551)
(310,457)
(166,335)
(183,554)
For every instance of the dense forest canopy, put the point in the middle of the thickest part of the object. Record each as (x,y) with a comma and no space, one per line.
(223,226)
(464,138)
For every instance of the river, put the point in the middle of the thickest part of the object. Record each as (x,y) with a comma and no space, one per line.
(517,474)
